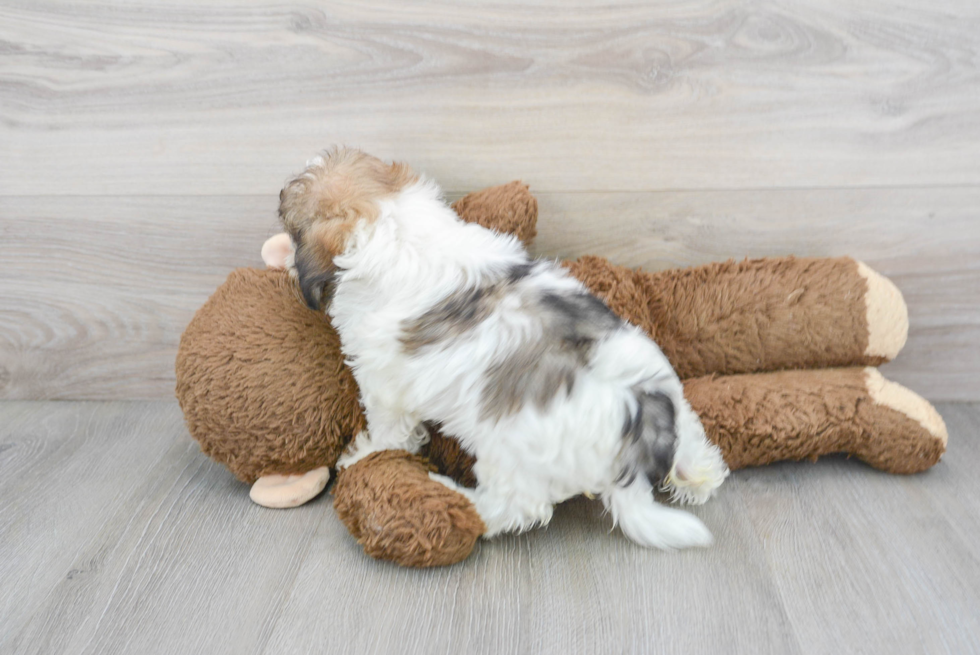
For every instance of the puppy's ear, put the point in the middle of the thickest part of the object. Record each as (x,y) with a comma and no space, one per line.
(314,261)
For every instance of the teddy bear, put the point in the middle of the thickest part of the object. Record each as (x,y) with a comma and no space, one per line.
(778,358)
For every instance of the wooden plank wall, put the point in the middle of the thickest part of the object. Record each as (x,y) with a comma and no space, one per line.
(143,145)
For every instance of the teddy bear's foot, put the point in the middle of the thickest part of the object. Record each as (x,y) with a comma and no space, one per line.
(282,491)
(761,418)
(911,435)
(887,315)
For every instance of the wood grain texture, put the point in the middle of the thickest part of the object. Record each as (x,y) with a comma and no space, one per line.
(65,472)
(97,290)
(230,97)
(119,536)
(898,554)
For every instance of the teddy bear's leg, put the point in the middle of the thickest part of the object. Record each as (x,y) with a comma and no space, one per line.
(282,491)
(758,315)
(791,415)
(398,513)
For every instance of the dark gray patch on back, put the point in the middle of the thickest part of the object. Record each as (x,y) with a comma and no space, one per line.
(577,317)
(460,312)
(541,369)
(518,272)
(649,439)
(453,317)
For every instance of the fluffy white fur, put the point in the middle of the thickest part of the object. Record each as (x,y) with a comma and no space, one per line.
(416,254)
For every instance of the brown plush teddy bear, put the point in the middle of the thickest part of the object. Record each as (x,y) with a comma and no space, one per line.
(777,355)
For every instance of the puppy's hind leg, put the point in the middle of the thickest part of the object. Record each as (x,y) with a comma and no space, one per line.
(507,513)
(650,524)
(505,501)
(698,468)
(498,513)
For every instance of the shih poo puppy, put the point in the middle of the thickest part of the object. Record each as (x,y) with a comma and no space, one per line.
(448,322)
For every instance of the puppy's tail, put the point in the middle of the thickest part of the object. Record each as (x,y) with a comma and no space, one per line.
(652,525)
(649,439)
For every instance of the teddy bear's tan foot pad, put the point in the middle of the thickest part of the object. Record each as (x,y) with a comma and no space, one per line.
(893,395)
(887,315)
(282,491)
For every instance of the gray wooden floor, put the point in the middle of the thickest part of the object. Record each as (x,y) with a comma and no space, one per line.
(119,536)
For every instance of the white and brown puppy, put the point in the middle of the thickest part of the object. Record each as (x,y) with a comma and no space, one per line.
(448,322)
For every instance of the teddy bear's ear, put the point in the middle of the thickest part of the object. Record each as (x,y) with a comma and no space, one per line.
(277,251)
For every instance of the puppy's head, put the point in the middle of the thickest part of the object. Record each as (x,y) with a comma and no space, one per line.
(320,209)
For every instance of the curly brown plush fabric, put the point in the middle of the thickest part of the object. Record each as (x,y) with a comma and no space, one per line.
(508,208)
(743,317)
(262,382)
(396,512)
(792,415)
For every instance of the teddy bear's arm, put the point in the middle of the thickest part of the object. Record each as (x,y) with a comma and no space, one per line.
(509,208)
(758,315)
(397,512)
(762,418)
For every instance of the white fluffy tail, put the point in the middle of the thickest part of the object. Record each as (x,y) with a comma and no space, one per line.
(650,524)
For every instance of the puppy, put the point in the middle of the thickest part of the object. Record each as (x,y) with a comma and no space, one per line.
(448,322)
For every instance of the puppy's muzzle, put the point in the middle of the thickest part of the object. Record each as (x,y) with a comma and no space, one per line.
(317,280)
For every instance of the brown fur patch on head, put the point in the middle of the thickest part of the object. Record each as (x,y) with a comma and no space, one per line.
(321,207)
